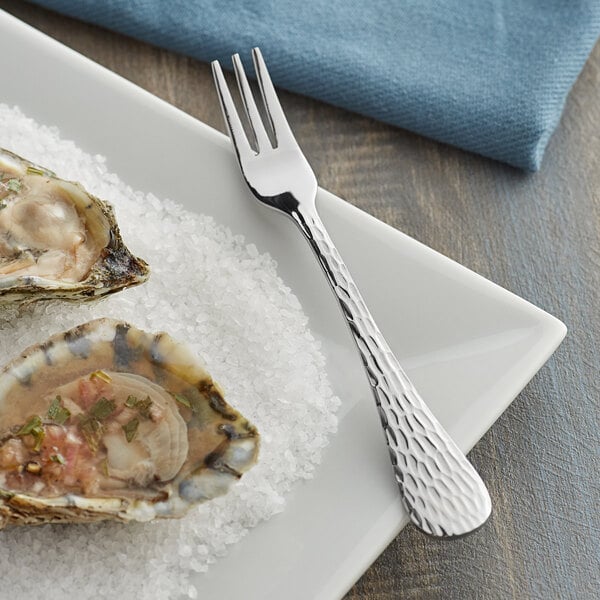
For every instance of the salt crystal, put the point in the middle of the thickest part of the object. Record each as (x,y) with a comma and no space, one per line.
(221,296)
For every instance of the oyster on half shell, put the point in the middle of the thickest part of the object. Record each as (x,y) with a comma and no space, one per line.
(106,421)
(56,239)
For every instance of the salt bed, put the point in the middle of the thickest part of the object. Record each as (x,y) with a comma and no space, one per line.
(207,288)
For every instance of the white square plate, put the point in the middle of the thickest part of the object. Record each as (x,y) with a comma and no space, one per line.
(469,345)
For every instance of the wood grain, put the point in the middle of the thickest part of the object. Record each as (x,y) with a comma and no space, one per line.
(535,234)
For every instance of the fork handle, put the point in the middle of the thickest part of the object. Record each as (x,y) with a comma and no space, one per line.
(441,490)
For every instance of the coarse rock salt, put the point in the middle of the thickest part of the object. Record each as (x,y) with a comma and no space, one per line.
(254,338)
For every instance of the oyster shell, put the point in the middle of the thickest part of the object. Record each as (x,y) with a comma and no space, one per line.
(106,421)
(56,239)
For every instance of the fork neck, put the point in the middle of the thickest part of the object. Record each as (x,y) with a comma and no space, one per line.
(303,213)
(286,202)
(306,217)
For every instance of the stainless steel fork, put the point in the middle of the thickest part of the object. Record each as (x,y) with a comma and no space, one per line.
(442,492)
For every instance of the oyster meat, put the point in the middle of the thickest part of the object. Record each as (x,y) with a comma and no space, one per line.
(56,239)
(106,421)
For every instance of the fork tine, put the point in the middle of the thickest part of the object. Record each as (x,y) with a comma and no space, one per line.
(256,122)
(232,119)
(279,123)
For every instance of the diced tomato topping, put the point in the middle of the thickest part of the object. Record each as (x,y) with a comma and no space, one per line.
(12,454)
(90,390)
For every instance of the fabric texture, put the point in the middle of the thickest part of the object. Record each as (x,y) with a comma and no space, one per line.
(489,76)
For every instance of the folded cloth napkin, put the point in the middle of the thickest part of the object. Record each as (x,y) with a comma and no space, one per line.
(489,76)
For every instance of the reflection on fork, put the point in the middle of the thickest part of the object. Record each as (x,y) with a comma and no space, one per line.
(440,489)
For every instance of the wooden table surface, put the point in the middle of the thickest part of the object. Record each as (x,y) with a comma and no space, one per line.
(537,235)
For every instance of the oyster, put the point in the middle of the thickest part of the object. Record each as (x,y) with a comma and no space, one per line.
(56,240)
(106,421)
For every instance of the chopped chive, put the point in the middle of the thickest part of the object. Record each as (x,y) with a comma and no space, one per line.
(130,429)
(62,415)
(38,434)
(143,407)
(58,458)
(34,171)
(101,375)
(182,400)
(14,185)
(102,409)
(53,408)
(33,422)
(131,402)
(88,423)
(92,431)
(58,413)
(104,465)
(34,428)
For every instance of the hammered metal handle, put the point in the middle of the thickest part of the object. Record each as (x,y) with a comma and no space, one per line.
(442,492)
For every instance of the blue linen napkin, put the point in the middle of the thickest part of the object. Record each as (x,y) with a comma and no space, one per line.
(489,76)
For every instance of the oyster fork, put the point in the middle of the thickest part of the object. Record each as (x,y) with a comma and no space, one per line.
(442,492)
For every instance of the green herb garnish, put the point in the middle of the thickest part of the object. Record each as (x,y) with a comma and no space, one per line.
(101,375)
(34,171)
(58,413)
(142,406)
(34,427)
(130,429)
(58,458)
(90,424)
(92,431)
(102,409)
(14,185)
(38,434)
(182,400)
(32,424)
(104,465)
